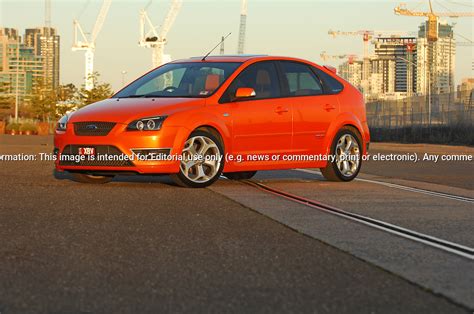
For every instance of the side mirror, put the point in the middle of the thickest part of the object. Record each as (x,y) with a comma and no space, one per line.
(245,92)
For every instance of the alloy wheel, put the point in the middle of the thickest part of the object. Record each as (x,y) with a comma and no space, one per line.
(347,155)
(201,159)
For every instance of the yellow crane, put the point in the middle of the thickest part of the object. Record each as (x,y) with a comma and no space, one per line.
(432,32)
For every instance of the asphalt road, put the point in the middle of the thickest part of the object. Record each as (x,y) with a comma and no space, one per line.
(449,173)
(143,245)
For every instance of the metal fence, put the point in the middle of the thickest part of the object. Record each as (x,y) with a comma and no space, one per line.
(441,119)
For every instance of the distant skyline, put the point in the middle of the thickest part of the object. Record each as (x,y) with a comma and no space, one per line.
(292,28)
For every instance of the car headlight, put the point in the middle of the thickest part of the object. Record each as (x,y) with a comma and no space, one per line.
(62,123)
(146,124)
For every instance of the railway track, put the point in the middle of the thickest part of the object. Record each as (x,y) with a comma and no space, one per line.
(447,246)
(406,188)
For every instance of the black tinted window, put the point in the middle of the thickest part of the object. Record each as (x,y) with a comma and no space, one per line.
(332,85)
(300,79)
(261,76)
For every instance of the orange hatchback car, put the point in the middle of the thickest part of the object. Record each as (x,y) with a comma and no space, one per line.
(199,118)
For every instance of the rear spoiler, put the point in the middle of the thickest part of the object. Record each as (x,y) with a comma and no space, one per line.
(331,69)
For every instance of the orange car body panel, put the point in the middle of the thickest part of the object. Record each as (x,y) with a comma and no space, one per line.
(288,125)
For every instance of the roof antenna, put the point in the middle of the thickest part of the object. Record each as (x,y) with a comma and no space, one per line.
(222,40)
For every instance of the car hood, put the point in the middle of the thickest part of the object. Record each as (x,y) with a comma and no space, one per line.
(124,110)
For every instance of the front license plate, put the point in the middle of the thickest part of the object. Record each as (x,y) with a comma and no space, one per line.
(87,151)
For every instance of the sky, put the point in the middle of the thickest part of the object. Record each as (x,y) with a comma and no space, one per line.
(297,28)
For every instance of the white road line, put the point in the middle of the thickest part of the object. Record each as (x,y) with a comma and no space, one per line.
(405,188)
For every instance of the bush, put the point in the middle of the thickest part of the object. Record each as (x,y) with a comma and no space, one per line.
(28,126)
(13,127)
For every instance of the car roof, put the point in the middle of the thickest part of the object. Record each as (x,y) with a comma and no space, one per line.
(235,58)
(221,58)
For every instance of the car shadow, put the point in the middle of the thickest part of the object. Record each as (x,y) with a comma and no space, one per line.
(163,179)
(269,175)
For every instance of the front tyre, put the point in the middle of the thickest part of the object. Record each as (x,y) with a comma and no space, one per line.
(202,161)
(348,157)
(91,179)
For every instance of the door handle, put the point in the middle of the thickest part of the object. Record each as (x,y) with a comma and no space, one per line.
(281,110)
(329,107)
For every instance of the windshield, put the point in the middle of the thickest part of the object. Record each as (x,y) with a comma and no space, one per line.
(193,79)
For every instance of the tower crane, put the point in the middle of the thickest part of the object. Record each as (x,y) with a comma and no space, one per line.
(242,27)
(431,37)
(350,57)
(366,36)
(151,38)
(432,31)
(88,44)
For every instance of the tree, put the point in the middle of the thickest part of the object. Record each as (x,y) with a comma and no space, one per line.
(67,92)
(99,92)
(43,101)
(67,99)
(7,100)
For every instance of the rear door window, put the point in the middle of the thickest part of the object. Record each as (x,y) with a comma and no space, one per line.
(300,80)
(331,85)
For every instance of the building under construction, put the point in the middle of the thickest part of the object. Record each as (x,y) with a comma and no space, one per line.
(436,60)
(393,70)
(351,71)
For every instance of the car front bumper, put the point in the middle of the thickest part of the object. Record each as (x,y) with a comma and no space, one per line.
(121,142)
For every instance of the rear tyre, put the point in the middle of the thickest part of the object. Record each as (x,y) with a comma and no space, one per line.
(347,149)
(242,175)
(91,179)
(202,161)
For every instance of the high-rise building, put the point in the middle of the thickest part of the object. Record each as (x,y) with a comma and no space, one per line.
(19,66)
(465,91)
(393,70)
(45,42)
(436,60)
(351,71)
(11,33)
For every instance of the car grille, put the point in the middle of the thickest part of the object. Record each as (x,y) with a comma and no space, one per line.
(73,150)
(93,128)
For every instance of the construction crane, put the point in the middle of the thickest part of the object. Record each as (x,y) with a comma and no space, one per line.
(151,38)
(431,38)
(432,32)
(47,52)
(410,62)
(88,44)
(47,16)
(243,25)
(369,34)
(468,43)
(350,57)
(366,36)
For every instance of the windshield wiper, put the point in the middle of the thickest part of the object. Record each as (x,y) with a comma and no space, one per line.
(133,96)
(159,96)
(146,96)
